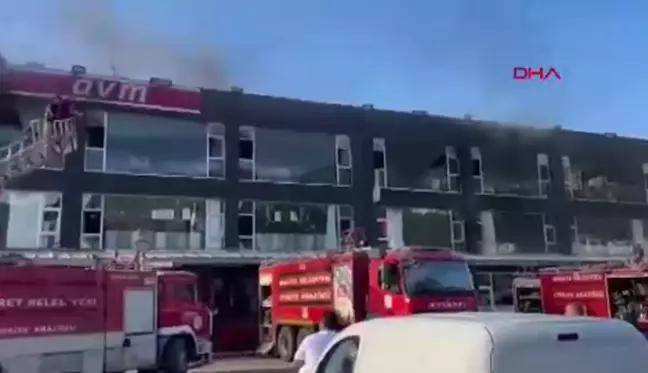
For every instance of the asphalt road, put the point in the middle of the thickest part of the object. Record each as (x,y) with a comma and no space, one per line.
(245,365)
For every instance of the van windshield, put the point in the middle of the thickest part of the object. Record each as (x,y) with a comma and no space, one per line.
(438,278)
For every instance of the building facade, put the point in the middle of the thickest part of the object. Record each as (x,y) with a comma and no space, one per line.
(230,171)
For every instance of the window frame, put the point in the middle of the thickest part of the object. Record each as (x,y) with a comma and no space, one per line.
(323,363)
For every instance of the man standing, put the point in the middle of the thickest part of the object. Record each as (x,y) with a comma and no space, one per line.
(312,347)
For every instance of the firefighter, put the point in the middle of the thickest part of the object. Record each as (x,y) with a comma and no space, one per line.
(575,309)
(61,108)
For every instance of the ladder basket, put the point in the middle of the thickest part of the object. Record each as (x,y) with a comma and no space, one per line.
(41,142)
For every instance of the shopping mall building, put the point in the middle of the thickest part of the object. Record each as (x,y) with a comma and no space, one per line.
(233,172)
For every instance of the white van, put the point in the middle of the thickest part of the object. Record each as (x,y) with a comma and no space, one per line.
(487,342)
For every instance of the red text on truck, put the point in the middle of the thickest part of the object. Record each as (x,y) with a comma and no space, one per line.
(94,320)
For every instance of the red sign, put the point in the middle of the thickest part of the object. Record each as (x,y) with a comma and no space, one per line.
(105,90)
(531,73)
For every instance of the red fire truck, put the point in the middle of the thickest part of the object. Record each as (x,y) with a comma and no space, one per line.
(63,318)
(359,284)
(614,290)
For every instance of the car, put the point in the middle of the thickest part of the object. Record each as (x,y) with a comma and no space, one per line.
(486,342)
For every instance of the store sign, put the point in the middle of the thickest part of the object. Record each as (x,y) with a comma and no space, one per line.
(117,92)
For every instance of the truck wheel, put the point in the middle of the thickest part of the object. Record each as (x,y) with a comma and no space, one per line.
(286,343)
(303,333)
(175,357)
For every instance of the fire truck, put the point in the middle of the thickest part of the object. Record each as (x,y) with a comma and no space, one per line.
(614,290)
(58,316)
(358,284)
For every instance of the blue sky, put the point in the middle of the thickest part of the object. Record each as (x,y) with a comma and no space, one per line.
(446,57)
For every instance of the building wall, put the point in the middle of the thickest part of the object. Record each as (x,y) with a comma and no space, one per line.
(406,135)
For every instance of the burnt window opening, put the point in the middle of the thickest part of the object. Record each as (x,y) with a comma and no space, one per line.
(96,136)
(246,225)
(476,167)
(246,149)
(545,173)
(453,165)
(378,159)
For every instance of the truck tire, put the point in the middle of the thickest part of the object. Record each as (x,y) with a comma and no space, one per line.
(175,359)
(303,333)
(286,343)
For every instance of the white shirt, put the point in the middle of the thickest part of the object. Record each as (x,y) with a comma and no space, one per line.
(312,348)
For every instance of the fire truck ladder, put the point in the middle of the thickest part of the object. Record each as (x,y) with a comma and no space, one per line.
(40,142)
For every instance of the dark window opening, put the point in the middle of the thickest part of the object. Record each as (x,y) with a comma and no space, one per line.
(246,225)
(246,149)
(91,222)
(95,137)
(378,160)
(453,165)
(476,167)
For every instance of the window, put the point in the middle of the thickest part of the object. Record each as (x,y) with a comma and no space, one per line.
(150,145)
(293,157)
(30,220)
(216,150)
(418,165)
(420,227)
(166,223)
(292,227)
(95,140)
(92,222)
(185,293)
(511,171)
(341,358)
(505,232)
(343,160)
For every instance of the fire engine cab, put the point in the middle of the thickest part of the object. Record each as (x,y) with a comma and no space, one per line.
(359,284)
(58,316)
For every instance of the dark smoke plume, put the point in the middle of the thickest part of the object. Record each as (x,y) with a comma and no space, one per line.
(93,27)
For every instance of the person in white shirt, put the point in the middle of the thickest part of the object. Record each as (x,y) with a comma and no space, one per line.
(313,346)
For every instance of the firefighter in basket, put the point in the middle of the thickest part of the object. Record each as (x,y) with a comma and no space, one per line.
(61,110)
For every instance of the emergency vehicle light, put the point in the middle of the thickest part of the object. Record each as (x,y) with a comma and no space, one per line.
(78,70)
(160,82)
(563,337)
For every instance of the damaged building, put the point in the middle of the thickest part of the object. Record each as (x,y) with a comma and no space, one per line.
(229,171)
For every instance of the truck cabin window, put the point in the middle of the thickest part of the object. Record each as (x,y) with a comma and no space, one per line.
(390,279)
(185,293)
(437,278)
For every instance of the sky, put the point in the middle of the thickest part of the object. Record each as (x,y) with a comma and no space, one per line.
(446,57)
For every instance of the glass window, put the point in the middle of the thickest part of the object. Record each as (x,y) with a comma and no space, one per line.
(285,156)
(342,357)
(418,227)
(604,235)
(185,293)
(29,220)
(144,144)
(416,165)
(163,222)
(439,277)
(505,174)
(292,227)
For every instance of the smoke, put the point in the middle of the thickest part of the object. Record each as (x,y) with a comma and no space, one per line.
(493,37)
(93,27)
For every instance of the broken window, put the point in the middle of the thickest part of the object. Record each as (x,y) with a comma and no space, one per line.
(604,177)
(416,165)
(602,235)
(512,233)
(411,226)
(292,227)
(510,171)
